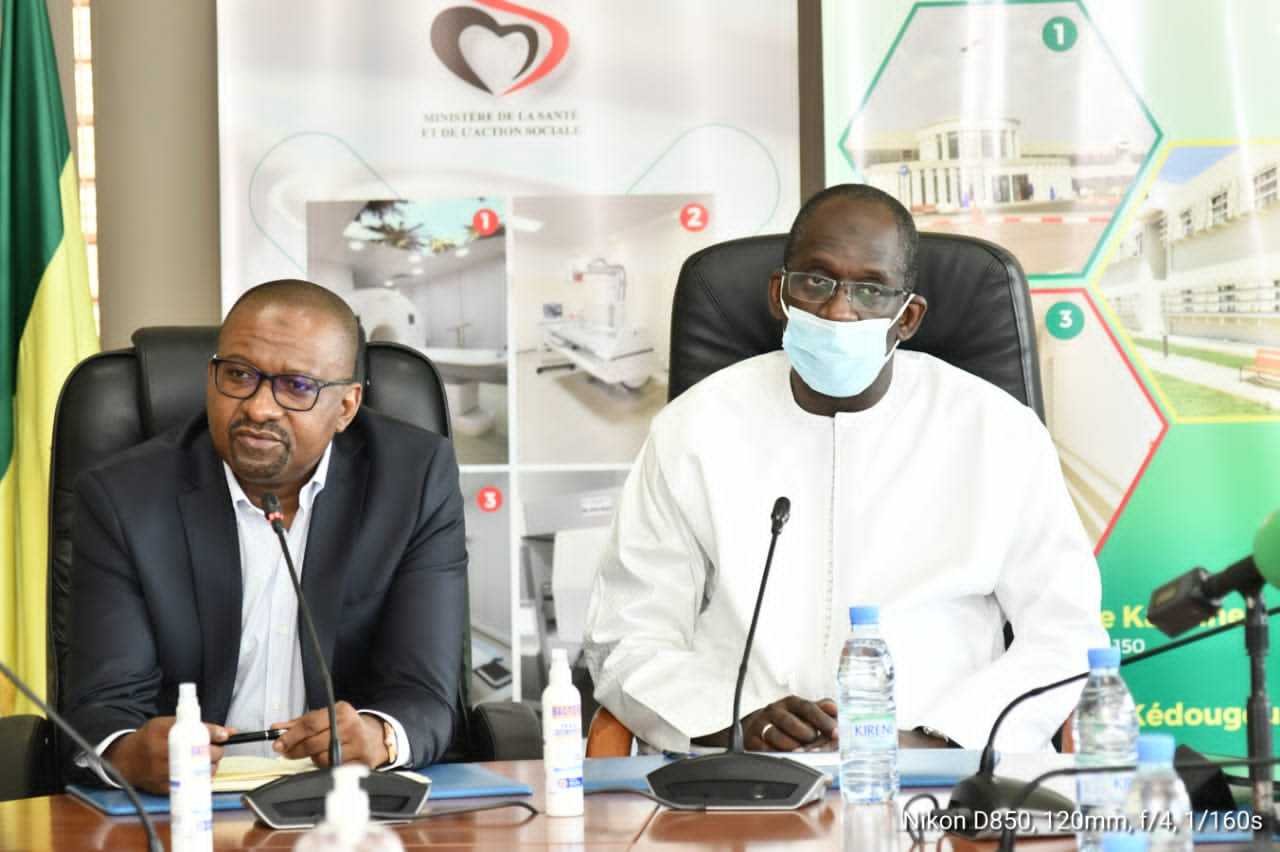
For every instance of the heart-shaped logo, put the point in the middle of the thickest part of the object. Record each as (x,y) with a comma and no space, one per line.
(484,58)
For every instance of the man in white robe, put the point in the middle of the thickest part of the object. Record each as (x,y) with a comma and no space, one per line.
(913,485)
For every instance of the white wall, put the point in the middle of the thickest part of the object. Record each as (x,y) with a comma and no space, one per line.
(156,139)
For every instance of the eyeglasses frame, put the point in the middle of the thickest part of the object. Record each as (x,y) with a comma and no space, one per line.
(271,377)
(837,284)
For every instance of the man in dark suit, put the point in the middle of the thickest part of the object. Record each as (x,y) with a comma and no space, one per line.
(177,575)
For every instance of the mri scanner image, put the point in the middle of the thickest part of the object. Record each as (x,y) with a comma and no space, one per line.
(431,275)
(592,280)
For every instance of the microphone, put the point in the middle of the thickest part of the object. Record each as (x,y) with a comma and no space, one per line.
(1010,827)
(148,827)
(985,792)
(297,801)
(1196,596)
(736,780)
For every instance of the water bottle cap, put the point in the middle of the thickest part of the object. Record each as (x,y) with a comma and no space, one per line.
(1156,748)
(1104,658)
(1124,842)
(864,615)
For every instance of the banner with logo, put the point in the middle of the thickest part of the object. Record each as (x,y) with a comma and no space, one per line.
(512,189)
(1128,154)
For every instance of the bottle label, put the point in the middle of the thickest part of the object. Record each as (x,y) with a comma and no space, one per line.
(562,753)
(190,799)
(1102,788)
(869,731)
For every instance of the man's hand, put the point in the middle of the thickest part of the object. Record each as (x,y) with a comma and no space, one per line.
(143,755)
(359,734)
(789,724)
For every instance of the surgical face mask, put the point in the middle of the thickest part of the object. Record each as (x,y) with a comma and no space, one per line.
(837,359)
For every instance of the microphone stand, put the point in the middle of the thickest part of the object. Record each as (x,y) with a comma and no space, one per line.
(298,801)
(736,780)
(130,792)
(1256,639)
(275,515)
(988,793)
(1010,830)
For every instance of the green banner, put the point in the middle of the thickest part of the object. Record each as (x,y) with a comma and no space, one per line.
(1128,154)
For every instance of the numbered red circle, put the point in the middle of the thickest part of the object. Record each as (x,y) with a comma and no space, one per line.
(489,499)
(485,221)
(694,217)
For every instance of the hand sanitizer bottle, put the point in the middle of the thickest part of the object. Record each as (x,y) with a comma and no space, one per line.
(562,739)
(190,792)
(346,826)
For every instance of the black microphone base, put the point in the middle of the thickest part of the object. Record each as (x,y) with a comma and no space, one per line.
(297,801)
(982,795)
(734,781)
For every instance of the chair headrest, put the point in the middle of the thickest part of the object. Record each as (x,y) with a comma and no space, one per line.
(173,363)
(979,316)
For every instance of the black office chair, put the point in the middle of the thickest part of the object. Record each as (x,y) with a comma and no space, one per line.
(115,400)
(979,316)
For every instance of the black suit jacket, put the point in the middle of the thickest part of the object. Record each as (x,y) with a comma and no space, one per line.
(156,584)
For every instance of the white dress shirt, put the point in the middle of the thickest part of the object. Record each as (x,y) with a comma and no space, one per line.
(944,504)
(268,685)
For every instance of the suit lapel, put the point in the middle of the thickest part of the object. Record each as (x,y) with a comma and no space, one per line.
(331,544)
(213,543)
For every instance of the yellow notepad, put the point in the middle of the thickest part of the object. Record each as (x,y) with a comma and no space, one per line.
(240,773)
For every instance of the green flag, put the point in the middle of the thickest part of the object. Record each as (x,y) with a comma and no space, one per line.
(46,320)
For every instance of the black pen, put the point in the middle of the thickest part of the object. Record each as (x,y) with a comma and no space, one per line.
(253,737)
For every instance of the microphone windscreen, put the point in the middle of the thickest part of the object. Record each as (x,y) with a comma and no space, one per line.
(1266,549)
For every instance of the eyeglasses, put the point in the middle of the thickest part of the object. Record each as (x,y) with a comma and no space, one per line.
(293,391)
(817,289)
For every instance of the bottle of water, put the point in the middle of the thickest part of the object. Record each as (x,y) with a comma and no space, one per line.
(1105,729)
(1158,805)
(868,714)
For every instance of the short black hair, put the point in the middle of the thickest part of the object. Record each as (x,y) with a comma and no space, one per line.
(908,237)
(305,294)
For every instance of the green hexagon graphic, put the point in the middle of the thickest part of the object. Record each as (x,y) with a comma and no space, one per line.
(1012,122)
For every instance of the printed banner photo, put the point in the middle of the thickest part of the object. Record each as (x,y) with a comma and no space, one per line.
(511,189)
(1127,153)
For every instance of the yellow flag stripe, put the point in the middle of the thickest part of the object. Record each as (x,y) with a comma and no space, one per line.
(58,334)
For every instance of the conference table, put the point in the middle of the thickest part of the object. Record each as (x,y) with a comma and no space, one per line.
(612,821)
